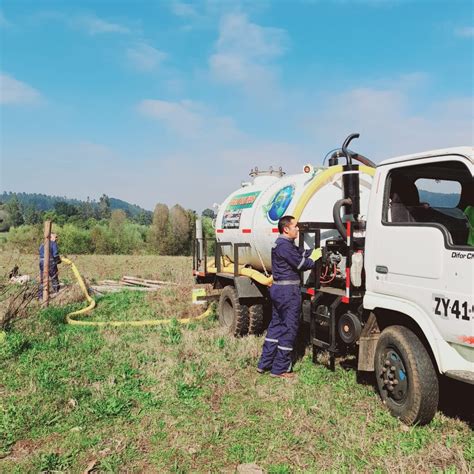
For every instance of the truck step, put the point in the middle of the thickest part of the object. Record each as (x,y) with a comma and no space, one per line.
(321,344)
(463,375)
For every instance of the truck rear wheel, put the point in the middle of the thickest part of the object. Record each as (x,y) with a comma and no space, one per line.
(406,378)
(232,314)
(256,319)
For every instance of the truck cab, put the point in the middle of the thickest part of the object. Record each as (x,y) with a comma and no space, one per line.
(419,267)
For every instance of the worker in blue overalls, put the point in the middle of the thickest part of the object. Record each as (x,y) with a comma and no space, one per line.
(54,259)
(287,263)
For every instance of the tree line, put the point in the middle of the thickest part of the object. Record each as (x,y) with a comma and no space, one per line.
(90,227)
(24,208)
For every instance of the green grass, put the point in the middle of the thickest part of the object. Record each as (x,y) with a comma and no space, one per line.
(188,399)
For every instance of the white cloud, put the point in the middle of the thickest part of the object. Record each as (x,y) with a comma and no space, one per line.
(95,25)
(238,35)
(465,32)
(180,117)
(370,3)
(89,23)
(388,123)
(190,119)
(205,13)
(244,51)
(4,23)
(183,9)
(145,57)
(13,91)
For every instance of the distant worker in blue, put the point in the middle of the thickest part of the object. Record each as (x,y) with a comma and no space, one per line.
(54,260)
(287,263)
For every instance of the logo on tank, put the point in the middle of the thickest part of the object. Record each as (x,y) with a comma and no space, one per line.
(233,212)
(279,203)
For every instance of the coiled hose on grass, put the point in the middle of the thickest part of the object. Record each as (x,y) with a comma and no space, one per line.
(92,304)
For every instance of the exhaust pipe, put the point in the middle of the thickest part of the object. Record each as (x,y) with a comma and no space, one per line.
(199,242)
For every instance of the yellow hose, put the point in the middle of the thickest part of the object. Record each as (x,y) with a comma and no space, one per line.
(320,180)
(250,272)
(91,306)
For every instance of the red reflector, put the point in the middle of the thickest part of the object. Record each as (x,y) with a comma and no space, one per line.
(310,291)
(246,231)
(275,230)
(220,231)
(345,299)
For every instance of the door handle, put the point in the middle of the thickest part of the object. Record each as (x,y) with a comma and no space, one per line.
(381,269)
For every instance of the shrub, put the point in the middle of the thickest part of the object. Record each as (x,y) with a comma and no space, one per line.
(74,240)
(26,238)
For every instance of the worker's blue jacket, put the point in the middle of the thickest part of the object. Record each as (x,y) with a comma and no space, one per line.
(288,261)
(53,253)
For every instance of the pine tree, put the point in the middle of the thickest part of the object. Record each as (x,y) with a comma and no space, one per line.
(15,211)
(86,210)
(31,215)
(104,207)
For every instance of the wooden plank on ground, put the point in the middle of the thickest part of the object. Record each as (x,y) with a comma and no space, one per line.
(114,288)
(132,279)
(143,284)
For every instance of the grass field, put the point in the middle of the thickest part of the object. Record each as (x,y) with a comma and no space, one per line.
(188,399)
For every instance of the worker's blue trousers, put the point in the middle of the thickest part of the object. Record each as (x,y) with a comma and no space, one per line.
(53,274)
(278,346)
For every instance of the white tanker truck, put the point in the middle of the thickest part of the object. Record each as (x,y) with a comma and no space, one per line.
(396,280)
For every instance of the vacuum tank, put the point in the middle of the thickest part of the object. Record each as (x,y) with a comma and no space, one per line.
(251,213)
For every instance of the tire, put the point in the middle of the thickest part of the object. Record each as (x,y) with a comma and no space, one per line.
(256,319)
(232,314)
(406,379)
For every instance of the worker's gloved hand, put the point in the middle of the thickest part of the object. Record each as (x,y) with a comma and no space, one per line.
(315,254)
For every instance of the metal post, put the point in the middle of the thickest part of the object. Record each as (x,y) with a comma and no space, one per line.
(218,257)
(332,348)
(47,238)
(236,256)
(204,243)
(199,239)
(219,254)
(317,267)
(301,249)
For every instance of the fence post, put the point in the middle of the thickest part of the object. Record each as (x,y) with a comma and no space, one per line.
(47,238)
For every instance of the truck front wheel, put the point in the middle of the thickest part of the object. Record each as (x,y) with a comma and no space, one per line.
(406,378)
(232,314)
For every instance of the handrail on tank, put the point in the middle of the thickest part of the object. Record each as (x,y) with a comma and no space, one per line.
(254,172)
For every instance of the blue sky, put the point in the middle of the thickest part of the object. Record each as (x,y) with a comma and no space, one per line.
(170,101)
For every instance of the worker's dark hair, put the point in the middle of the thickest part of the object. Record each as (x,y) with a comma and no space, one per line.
(284,222)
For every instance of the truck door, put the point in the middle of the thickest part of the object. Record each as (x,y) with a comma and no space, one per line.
(422,247)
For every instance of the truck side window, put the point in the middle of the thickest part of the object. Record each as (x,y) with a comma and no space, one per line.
(439,193)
